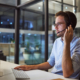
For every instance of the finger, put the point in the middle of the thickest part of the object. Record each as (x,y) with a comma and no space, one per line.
(71,29)
(19,67)
(23,68)
(66,30)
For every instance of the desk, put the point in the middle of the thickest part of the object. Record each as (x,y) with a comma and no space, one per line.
(33,74)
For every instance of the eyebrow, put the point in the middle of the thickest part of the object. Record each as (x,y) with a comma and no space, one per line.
(59,22)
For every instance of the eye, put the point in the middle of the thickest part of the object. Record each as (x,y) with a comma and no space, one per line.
(58,24)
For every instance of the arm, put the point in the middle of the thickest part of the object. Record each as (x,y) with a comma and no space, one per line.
(66,59)
(42,66)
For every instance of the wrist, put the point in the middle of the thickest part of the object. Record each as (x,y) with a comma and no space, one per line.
(66,44)
(32,67)
(36,67)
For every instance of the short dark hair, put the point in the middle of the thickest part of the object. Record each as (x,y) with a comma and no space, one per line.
(69,18)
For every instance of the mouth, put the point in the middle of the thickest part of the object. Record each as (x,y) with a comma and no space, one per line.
(57,32)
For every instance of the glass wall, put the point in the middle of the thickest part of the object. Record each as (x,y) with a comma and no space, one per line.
(6,18)
(36,7)
(71,2)
(32,36)
(9,2)
(78,5)
(68,8)
(31,22)
(7,33)
(54,7)
(24,1)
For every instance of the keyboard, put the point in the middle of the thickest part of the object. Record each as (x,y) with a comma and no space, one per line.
(20,75)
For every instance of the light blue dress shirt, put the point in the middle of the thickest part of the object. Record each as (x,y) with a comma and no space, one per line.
(55,58)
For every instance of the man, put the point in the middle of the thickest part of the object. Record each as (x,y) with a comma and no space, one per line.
(65,55)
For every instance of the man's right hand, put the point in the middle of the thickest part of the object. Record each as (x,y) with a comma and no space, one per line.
(26,67)
(42,66)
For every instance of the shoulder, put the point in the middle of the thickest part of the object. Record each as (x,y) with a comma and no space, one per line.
(76,40)
(75,43)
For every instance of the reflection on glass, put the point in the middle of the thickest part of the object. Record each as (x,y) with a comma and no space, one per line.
(31,48)
(6,37)
(54,7)
(7,41)
(24,1)
(77,31)
(36,7)
(68,8)
(77,4)
(31,21)
(51,21)
(7,45)
(6,17)
(51,34)
(56,0)
(50,43)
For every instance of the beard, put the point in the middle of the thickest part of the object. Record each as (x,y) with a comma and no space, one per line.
(60,34)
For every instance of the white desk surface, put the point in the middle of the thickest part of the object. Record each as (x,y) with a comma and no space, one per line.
(33,74)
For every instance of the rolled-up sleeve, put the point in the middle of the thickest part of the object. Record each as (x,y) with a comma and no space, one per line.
(51,59)
(76,57)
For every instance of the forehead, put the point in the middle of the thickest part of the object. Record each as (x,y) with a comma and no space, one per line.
(59,19)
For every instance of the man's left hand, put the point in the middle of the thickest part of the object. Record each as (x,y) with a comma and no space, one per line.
(68,35)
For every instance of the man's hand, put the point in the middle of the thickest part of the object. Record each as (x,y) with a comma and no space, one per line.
(68,35)
(26,67)
(66,59)
(42,66)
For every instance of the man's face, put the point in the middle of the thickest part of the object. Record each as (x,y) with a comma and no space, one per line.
(60,25)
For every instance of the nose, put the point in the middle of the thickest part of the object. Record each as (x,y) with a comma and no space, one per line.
(56,26)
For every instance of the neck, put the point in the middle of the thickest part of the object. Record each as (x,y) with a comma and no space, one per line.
(62,38)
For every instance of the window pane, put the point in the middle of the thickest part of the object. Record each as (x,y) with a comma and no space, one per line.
(77,31)
(31,21)
(68,8)
(31,38)
(51,34)
(69,2)
(54,7)
(36,7)
(6,17)
(31,49)
(58,0)
(78,5)
(10,2)
(7,36)
(23,1)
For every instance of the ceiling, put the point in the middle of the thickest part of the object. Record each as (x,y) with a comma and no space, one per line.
(53,7)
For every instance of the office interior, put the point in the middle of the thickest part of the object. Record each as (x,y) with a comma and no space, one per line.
(25,35)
